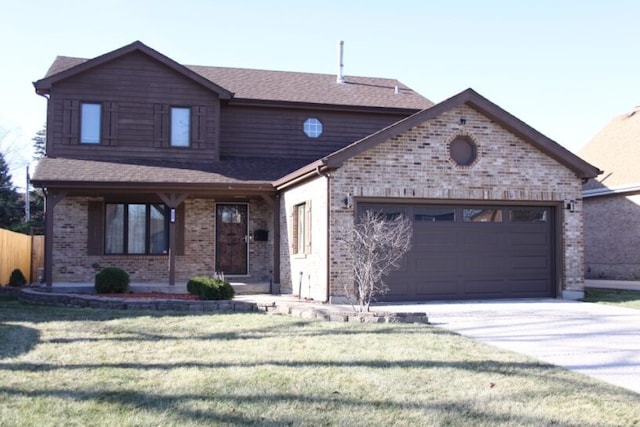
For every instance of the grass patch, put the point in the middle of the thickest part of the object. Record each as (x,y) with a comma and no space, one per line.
(63,366)
(622,298)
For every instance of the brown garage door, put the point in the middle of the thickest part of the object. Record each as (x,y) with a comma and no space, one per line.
(473,252)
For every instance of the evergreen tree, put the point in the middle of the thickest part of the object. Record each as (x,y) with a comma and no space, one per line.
(11,206)
(40,143)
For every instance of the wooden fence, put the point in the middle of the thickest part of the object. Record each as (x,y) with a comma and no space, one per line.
(20,251)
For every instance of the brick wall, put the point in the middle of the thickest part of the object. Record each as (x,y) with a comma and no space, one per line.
(417,165)
(611,235)
(71,264)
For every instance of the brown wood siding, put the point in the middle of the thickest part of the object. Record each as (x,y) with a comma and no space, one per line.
(278,132)
(133,90)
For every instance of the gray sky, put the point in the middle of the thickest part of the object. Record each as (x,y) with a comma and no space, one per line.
(565,67)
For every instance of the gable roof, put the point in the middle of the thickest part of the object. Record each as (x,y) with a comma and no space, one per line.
(581,168)
(616,150)
(256,86)
(64,68)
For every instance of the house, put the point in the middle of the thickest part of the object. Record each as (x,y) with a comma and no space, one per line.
(612,201)
(171,171)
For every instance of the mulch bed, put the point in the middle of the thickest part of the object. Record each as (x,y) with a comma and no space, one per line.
(150,295)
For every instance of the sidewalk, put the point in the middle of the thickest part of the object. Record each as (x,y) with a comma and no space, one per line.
(626,285)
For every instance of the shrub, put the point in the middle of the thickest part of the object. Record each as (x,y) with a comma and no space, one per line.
(17,278)
(211,289)
(112,280)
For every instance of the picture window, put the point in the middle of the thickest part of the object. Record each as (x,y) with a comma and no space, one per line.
(136,228)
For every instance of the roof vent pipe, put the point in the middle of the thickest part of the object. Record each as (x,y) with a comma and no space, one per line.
(340,76)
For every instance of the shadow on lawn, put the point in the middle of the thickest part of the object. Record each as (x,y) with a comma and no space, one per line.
(16,340)
(304,409)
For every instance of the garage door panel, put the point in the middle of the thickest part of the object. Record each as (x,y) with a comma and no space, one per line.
(454,259)
(482,264)
(531,263)
(529,286)
(437,288)
(489,287)
(434,264)
(531,239)
(434,239)
(483,239)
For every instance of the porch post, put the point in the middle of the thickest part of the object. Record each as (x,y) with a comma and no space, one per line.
(51,200)
(274,204)
(172,200)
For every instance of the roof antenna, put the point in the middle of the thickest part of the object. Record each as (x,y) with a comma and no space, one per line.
(340,76)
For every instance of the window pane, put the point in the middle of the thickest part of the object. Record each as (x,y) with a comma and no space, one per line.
(482,215)
(114,229)
(158,228)
(137,229)
(90,123)
(530,215)
(433,214)
(180,127)
(313,127)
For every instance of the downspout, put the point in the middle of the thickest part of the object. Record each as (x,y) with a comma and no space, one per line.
(328,266)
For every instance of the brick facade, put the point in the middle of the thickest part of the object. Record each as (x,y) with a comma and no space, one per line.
(71,264)
(417,165)
(611,238)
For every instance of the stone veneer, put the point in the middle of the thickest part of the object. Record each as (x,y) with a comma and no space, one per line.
(71,264)
(302,309)
(416,165)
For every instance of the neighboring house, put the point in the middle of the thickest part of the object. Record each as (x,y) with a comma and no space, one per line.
(171,171)
(612,201)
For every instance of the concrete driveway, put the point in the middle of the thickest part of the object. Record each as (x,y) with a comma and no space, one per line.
(593,339)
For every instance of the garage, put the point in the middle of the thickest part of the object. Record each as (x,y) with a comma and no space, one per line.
(473,252)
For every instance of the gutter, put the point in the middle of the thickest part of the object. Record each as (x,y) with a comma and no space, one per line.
(610,191)
(301,174)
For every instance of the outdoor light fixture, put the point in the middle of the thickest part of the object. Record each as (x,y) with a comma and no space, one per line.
(173,215)
(463,121)
(570,205)
(348,201)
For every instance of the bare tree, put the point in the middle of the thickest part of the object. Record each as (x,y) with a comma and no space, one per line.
(377,244)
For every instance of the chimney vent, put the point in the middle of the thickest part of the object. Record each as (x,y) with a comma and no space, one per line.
(340,76)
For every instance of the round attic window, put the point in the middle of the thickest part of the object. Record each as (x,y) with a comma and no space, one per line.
(462,151)
(312,127)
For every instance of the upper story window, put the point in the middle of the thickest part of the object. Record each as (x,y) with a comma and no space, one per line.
(180,126)
(90,119)
(312,127)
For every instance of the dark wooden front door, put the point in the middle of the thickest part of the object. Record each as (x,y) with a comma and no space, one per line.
(231,238)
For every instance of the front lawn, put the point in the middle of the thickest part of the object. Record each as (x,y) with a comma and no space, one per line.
(116,368)
(629,299)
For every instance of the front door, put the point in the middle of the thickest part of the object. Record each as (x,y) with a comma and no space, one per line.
(231,238)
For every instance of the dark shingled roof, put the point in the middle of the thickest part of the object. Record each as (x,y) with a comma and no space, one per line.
(281,86)
(252,171)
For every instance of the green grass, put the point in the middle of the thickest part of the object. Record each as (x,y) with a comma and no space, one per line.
(81,367)
(629,299)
